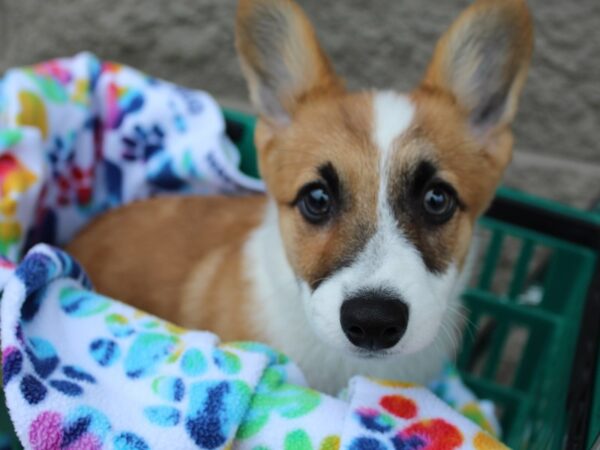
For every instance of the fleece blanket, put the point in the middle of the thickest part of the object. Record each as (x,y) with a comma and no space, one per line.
(81,371)
(79,136)
(84,372)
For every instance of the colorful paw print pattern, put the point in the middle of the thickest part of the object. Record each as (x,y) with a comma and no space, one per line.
(79,135)
(392,416)
(82,371)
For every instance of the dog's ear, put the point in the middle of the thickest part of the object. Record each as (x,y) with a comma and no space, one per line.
(482,62)
(281,58)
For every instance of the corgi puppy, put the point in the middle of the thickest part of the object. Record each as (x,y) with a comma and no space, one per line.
(352,263)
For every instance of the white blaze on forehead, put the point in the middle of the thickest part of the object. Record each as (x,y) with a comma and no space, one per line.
(393,114)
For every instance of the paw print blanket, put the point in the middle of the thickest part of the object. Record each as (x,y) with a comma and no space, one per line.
(83,371)
(79,136)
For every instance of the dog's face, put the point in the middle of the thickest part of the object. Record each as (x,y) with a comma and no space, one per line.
(378,192)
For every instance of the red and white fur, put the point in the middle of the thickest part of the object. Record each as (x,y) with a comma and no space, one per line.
(372,200)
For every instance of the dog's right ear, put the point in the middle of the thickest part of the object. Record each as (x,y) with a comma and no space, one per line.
(281,58)
(482,62)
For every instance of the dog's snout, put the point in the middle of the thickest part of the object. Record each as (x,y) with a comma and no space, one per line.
(374,320)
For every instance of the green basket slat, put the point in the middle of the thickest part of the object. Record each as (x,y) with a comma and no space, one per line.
(545,436)
(550,396)
(245,143)
(503,394)
(539,238)
(567,281)
(468,339)
(594,431)
(520,271)
(511,312)
(559,208)
(492,257)
(495,353)
(533,352)
(519,422)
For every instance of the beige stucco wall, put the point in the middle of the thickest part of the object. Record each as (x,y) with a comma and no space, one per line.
(377,43)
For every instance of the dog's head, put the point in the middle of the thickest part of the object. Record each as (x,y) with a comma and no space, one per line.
(377,191)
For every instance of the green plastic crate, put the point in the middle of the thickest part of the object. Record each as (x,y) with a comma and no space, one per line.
(542,300)
(533,400)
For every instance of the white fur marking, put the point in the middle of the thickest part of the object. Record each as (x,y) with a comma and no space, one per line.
(393,114)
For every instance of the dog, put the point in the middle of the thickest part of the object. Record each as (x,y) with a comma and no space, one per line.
(354,260)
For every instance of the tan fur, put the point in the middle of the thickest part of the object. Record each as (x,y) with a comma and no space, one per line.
(332,130)
(150,255)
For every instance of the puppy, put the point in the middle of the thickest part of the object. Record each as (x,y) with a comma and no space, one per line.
(353,261)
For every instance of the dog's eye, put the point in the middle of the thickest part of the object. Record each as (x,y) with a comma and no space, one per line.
(439,203)
(315,203)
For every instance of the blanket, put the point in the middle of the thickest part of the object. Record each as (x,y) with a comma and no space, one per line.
(79,136)
(82,371)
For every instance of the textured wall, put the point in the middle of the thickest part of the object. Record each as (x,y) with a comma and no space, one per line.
(383,43)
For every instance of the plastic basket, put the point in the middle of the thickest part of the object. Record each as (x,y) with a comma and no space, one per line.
(544,310)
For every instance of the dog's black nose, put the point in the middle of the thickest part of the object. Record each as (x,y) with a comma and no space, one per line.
(374,320)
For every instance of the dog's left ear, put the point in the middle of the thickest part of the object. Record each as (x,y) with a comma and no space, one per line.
(482,62)
(281,58)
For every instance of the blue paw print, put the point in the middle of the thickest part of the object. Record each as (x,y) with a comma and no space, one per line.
(45,361)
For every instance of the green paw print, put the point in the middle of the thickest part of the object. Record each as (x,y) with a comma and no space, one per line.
(274,396)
